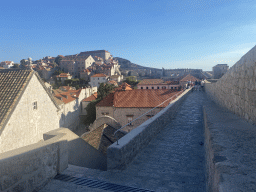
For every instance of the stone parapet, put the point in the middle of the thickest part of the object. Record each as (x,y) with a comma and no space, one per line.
(230,151)
(236,90)
(119,156)
(30,167)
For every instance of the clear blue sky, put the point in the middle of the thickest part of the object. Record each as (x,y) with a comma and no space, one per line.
(154,33)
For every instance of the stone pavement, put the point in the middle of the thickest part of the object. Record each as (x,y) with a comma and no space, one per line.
(173,161)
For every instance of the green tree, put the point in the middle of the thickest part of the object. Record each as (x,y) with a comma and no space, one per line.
(58,71)
(131,80)
(103,91)
(91,112)
(58,59)
(16,65)
(22,63)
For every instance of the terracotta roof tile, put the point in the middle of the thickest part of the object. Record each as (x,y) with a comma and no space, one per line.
(107,101)
(151,82)
(68,96)
(99,75)
(189,78)
(172,82)
(138,98)
(113,82)
(12,83)
(124,86)
(91,98)
(63,75)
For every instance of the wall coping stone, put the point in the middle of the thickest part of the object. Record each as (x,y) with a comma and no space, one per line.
(230,150)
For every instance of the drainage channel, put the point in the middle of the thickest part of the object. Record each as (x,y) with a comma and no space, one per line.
(98,184)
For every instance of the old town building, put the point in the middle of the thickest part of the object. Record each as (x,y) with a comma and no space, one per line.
(28,109)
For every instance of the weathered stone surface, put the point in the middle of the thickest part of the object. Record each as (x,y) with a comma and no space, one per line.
(236,90)
(137,139)
(230,151)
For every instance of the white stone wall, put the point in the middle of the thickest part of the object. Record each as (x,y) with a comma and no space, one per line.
(121,115)
(100,111)
(96,81)
(26,125)
(236,90)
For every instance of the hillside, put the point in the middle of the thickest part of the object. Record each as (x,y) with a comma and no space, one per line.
(126,64)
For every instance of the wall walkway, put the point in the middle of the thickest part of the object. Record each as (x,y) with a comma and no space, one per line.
(173,160)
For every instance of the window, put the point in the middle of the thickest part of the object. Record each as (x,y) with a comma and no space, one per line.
(164,87)
(175,87)
(104,113)
(171,87)
(34,105)
(157,87)
(141,88)
(152,87)
(98,78)
(146,87)
(129,120)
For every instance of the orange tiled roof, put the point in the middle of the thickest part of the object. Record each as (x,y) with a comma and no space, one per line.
(68,96)
(172,82)
(124,86)
(113,82)
(151,82)
(138,98)
(87,70)
(91,98)
(189,78)
(99,75)
(107,101)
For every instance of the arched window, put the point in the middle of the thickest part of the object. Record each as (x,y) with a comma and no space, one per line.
(152,87)
(171,87)
(141,88)
(146,87)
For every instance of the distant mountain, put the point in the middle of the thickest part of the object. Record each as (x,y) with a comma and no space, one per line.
(126,64)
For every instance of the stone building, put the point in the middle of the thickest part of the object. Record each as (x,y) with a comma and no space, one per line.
(7,64)
(125,105)
(63,76)
(85,74)
(70,104)
(97,79)
(27,109)
(86,101)
(219,70)
(188,78)
(76,65)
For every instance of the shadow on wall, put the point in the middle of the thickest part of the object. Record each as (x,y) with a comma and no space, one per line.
(71,120)
(80,153)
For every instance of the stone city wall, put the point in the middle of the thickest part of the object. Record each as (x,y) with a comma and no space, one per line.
(236,90)
(28,168)
(119,156)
